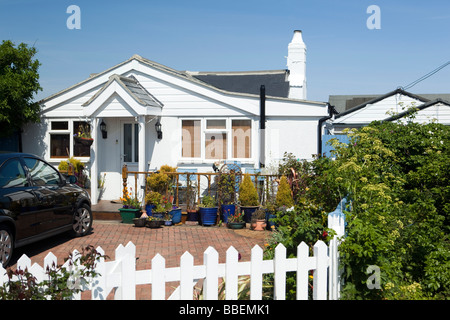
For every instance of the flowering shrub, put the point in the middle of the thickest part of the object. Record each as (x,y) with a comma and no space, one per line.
(237,217)
(130,202)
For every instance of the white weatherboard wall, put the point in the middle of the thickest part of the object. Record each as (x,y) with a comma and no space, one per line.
(379,110)
(439,112)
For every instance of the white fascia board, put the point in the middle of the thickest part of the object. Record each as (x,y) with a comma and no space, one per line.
(96,106)
(84,86)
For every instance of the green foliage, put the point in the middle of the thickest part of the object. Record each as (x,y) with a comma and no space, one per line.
(226,188)
(18,85)
(248,196)
(78,166)
(208,202)
(153,197)
(61,282)
(397,179)
(284,195)
(158,182)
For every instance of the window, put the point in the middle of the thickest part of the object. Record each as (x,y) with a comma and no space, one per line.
(62,145)
(242,134)
(191,139)
(12,175)
(130,142)
(79,149)
(41,173)
(217,139)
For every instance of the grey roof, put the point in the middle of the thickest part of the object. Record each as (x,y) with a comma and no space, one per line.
(275,81)
(349,103)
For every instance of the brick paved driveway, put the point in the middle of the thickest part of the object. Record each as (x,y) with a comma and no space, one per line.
(170,242)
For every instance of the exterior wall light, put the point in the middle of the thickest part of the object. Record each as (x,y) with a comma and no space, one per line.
(103,130)
(158,129)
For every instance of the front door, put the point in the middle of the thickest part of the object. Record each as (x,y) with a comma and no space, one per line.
(130,144)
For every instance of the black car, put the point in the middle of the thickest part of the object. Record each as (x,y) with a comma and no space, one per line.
(36,202)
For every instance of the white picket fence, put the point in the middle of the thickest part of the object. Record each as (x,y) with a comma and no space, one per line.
(121,274)
(121,277)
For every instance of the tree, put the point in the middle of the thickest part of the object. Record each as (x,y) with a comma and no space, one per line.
(18,85)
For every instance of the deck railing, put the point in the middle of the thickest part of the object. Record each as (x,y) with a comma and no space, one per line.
(266,184)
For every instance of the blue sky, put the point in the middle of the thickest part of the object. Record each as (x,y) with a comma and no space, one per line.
(343,57)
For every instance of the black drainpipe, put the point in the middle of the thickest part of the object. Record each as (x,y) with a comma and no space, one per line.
(262,126)
(331,111)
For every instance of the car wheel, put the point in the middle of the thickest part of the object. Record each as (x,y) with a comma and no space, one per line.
(82,221)
(6,245)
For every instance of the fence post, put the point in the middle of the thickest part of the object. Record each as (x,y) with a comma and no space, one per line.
(256,273)
(158,277)
(231,275)
(279,270)
(186,276)
(302,271)
(320,273)
(211,283)
(98,286)
(127,257)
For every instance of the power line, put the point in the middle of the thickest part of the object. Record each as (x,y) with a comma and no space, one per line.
(412,84)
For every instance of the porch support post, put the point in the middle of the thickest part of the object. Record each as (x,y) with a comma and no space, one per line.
(94,162)
(142,159)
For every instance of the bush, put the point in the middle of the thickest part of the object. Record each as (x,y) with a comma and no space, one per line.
(248,196)
(396,179)
(284,195)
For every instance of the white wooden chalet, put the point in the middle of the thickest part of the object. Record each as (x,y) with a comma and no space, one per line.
(153,115)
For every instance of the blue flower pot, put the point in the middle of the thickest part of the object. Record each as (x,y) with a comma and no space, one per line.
(248,211)
(176,215)
(227,210)
(208,216)
(270,222)
(148,208)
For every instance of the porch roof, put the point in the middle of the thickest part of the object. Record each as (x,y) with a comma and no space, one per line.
(142,102)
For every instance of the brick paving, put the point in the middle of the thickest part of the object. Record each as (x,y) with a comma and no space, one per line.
(171,242)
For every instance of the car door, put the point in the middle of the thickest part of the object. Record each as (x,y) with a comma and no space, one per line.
(54,204)
(17,201)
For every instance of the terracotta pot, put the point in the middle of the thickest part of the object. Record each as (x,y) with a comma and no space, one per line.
(259,225)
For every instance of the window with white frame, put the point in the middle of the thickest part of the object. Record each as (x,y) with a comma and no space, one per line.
(210,139)
(62,144)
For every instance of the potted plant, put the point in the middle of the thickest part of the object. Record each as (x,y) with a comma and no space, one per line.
(131,208)
(236,221)
(152,199)
(191,197)
(162,208)
(208,211)
(168,219)
(248,197)
(227,195)
(259,220)
(175,214)
(154,222)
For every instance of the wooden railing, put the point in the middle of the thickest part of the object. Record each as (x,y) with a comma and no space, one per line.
(265,184)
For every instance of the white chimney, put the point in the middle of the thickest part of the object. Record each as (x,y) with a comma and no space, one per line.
(296,64)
